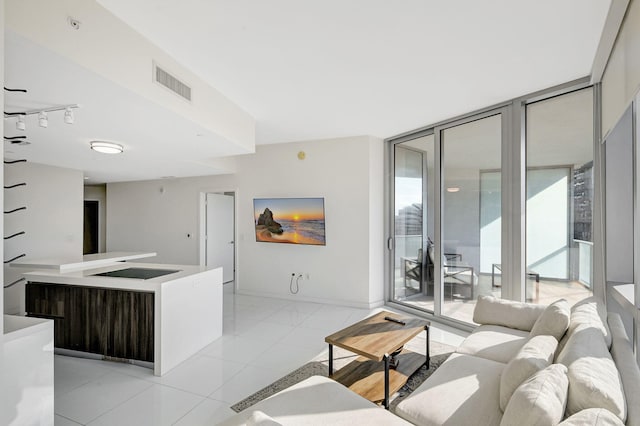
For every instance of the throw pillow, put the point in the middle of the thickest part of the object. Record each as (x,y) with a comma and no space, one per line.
(590,312)
(535,355)
(507,313)
(258,418)
(593,376)
(593,417)
(540,400)
(553,321)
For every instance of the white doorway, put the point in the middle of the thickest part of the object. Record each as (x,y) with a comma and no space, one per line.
(220,233)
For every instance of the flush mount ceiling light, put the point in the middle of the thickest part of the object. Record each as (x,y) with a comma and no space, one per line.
(68,115)
(43,120)
(20,123)
(453,189)
(106,147)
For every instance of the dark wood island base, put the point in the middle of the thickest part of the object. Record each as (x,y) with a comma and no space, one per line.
(110,322)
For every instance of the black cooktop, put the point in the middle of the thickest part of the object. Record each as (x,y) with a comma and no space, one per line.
(139,273)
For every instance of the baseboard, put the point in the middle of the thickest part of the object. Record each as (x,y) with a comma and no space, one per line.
(298,298)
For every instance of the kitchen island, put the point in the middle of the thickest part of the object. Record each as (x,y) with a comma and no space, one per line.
(145,312)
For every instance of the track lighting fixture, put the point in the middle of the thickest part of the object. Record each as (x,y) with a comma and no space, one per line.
(106,147)
(20,123)
(68,115)
(43,120)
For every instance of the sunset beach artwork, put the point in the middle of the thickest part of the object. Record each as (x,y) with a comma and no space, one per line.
(290,220)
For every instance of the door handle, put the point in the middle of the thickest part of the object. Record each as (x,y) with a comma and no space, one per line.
(231,242)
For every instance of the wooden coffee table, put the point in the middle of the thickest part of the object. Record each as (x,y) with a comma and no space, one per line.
(375,339)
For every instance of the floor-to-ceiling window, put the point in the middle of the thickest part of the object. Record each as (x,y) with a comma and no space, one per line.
(453,226)
(559,197)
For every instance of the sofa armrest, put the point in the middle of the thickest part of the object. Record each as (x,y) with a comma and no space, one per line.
(507,313)
(319,401)
(625,360)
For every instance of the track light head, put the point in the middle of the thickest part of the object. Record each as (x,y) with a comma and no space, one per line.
(43,120)
(68,115)
(20,125)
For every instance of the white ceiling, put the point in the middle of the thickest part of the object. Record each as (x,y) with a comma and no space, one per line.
(312,70)
(304,71)
(157,143)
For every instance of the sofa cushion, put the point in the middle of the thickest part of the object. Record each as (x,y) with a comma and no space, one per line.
(464,387)
(590,312)
(593,417)
(623,356)
(535,355)
(319,401)
(553,321)
(491,310)
(594,381)
(494,342)
(540,400)
(258,418)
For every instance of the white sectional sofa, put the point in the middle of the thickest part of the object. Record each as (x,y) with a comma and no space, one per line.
(524,365)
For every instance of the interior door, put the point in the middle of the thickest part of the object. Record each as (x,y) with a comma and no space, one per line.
(91,227)
(221,234)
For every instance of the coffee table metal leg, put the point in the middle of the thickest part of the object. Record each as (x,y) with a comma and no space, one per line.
(386,381)
(330,359)
(426,329)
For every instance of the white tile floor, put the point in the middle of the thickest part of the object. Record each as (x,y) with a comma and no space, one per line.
(263,340)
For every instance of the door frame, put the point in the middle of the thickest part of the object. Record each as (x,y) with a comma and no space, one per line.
(202,232)
(99,218)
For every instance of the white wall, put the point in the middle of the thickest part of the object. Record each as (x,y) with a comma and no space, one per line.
(347,172)
(548,233)
(52,222)
(619,200)
(99,193)
(620,84)
(621,80)
(376,221)
(2,196)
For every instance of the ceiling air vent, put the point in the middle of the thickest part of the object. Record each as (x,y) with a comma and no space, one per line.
(171,83)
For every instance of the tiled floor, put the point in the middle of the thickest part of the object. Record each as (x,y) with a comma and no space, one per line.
(263,340)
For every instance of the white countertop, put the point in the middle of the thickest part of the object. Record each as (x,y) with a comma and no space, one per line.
(87,261)
(86,277)
(18,326)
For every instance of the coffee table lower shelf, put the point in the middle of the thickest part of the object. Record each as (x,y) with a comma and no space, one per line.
(366,377)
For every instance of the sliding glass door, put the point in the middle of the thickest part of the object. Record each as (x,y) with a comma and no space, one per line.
(413,222)
(470,253)
(447,217)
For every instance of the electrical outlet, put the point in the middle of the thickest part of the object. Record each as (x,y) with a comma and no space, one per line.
(306,276)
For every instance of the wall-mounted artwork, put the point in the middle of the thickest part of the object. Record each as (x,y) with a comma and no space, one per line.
(289,220)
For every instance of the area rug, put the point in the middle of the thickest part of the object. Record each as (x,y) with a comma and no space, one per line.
(439,353)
